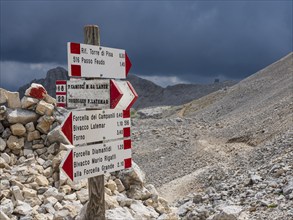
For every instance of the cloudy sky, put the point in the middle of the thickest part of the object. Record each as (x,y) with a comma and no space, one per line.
(167,41)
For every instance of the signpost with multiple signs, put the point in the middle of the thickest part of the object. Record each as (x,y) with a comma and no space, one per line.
(99,125)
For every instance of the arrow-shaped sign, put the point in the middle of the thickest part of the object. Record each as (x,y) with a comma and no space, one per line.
(98,93)
(84,127)
(94,61)
(129,95)
(97,159)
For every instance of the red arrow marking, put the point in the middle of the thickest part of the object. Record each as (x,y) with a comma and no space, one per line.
(75,70)
(68,165)
(126,132)
(115,94)
(127,144)
(135,96)
(67,127)
(128,64)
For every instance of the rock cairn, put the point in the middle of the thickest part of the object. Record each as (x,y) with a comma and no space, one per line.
(31,187)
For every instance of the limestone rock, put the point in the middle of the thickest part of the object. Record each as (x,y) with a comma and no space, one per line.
(111,185)
(50,99)
(6,206)
(118,213)
(287,189)
(2,144)
(143,212)
(44,123)
(30,127)
(17,193)
(44,108)
(138,192)
(15,143)
(110,202)
(119,184)
(82,195)
(22,116)
(3,164)
(42,181)
(224,216)
(3,216)
(36,91)
(3,96)
(6,157)
(29,193)
(33,135)
(56,135)
(13,100)
(18,129)
(28,102)
(1,128)
(132,176)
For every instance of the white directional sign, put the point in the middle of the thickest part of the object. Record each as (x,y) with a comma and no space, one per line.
(84,127)
(98,93)
(95,61)
(97,159)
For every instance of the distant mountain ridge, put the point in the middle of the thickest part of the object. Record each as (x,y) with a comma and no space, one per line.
(149,93)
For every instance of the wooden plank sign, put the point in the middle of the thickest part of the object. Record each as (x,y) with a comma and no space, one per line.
(89,126)
(93,160)
(95,61)
(98,93)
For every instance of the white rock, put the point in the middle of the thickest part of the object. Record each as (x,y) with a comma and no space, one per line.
(2,144)
(120,186)
(3,164)
(23,208)
(44,108)
(36,91)
(58,206)
(70,197)
(82,195)
(143,212)
(3,96)
(110,202)
(6,206)
(28,102)
(29,193)
(3,216)
(132,176)
(111,185)
(17,193)
(51,200)
(6,157)
(13,100)
(49,208)
(21,116)
(119,213)
(56,135)
(17,129)
(42,181)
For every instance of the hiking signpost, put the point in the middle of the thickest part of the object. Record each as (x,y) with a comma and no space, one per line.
(98,127)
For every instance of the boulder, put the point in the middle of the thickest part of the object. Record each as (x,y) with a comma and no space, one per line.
(13,100)
(36,91)
(56,135)
(2,144)
(33,135)
(28,102)
(44,108)
(132,176)
(3,96)
(22,116)
(18,129)
(15,143)
(44,123)
(119,213)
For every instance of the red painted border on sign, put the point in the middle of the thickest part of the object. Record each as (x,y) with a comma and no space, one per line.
(127,144)
(75,70)
(67,128)
(61,105)
(126,132)
(68,165)
(115,94)
(75,48)
(126,113)
(135,96)
(60,82)
(127,163)
(127,64)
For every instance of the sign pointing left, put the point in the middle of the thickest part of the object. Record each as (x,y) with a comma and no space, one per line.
(93,160)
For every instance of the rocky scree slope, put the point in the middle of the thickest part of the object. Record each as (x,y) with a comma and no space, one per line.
(149,93)
(228,155)
(31,185)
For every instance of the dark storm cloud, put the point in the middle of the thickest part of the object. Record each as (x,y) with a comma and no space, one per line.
(185,39)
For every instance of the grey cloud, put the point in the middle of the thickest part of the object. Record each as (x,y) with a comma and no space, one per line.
(186,39)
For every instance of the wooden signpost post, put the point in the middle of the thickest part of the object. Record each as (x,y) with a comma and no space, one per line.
(100,128)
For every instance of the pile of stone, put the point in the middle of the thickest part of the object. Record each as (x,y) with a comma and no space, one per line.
(31,186)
